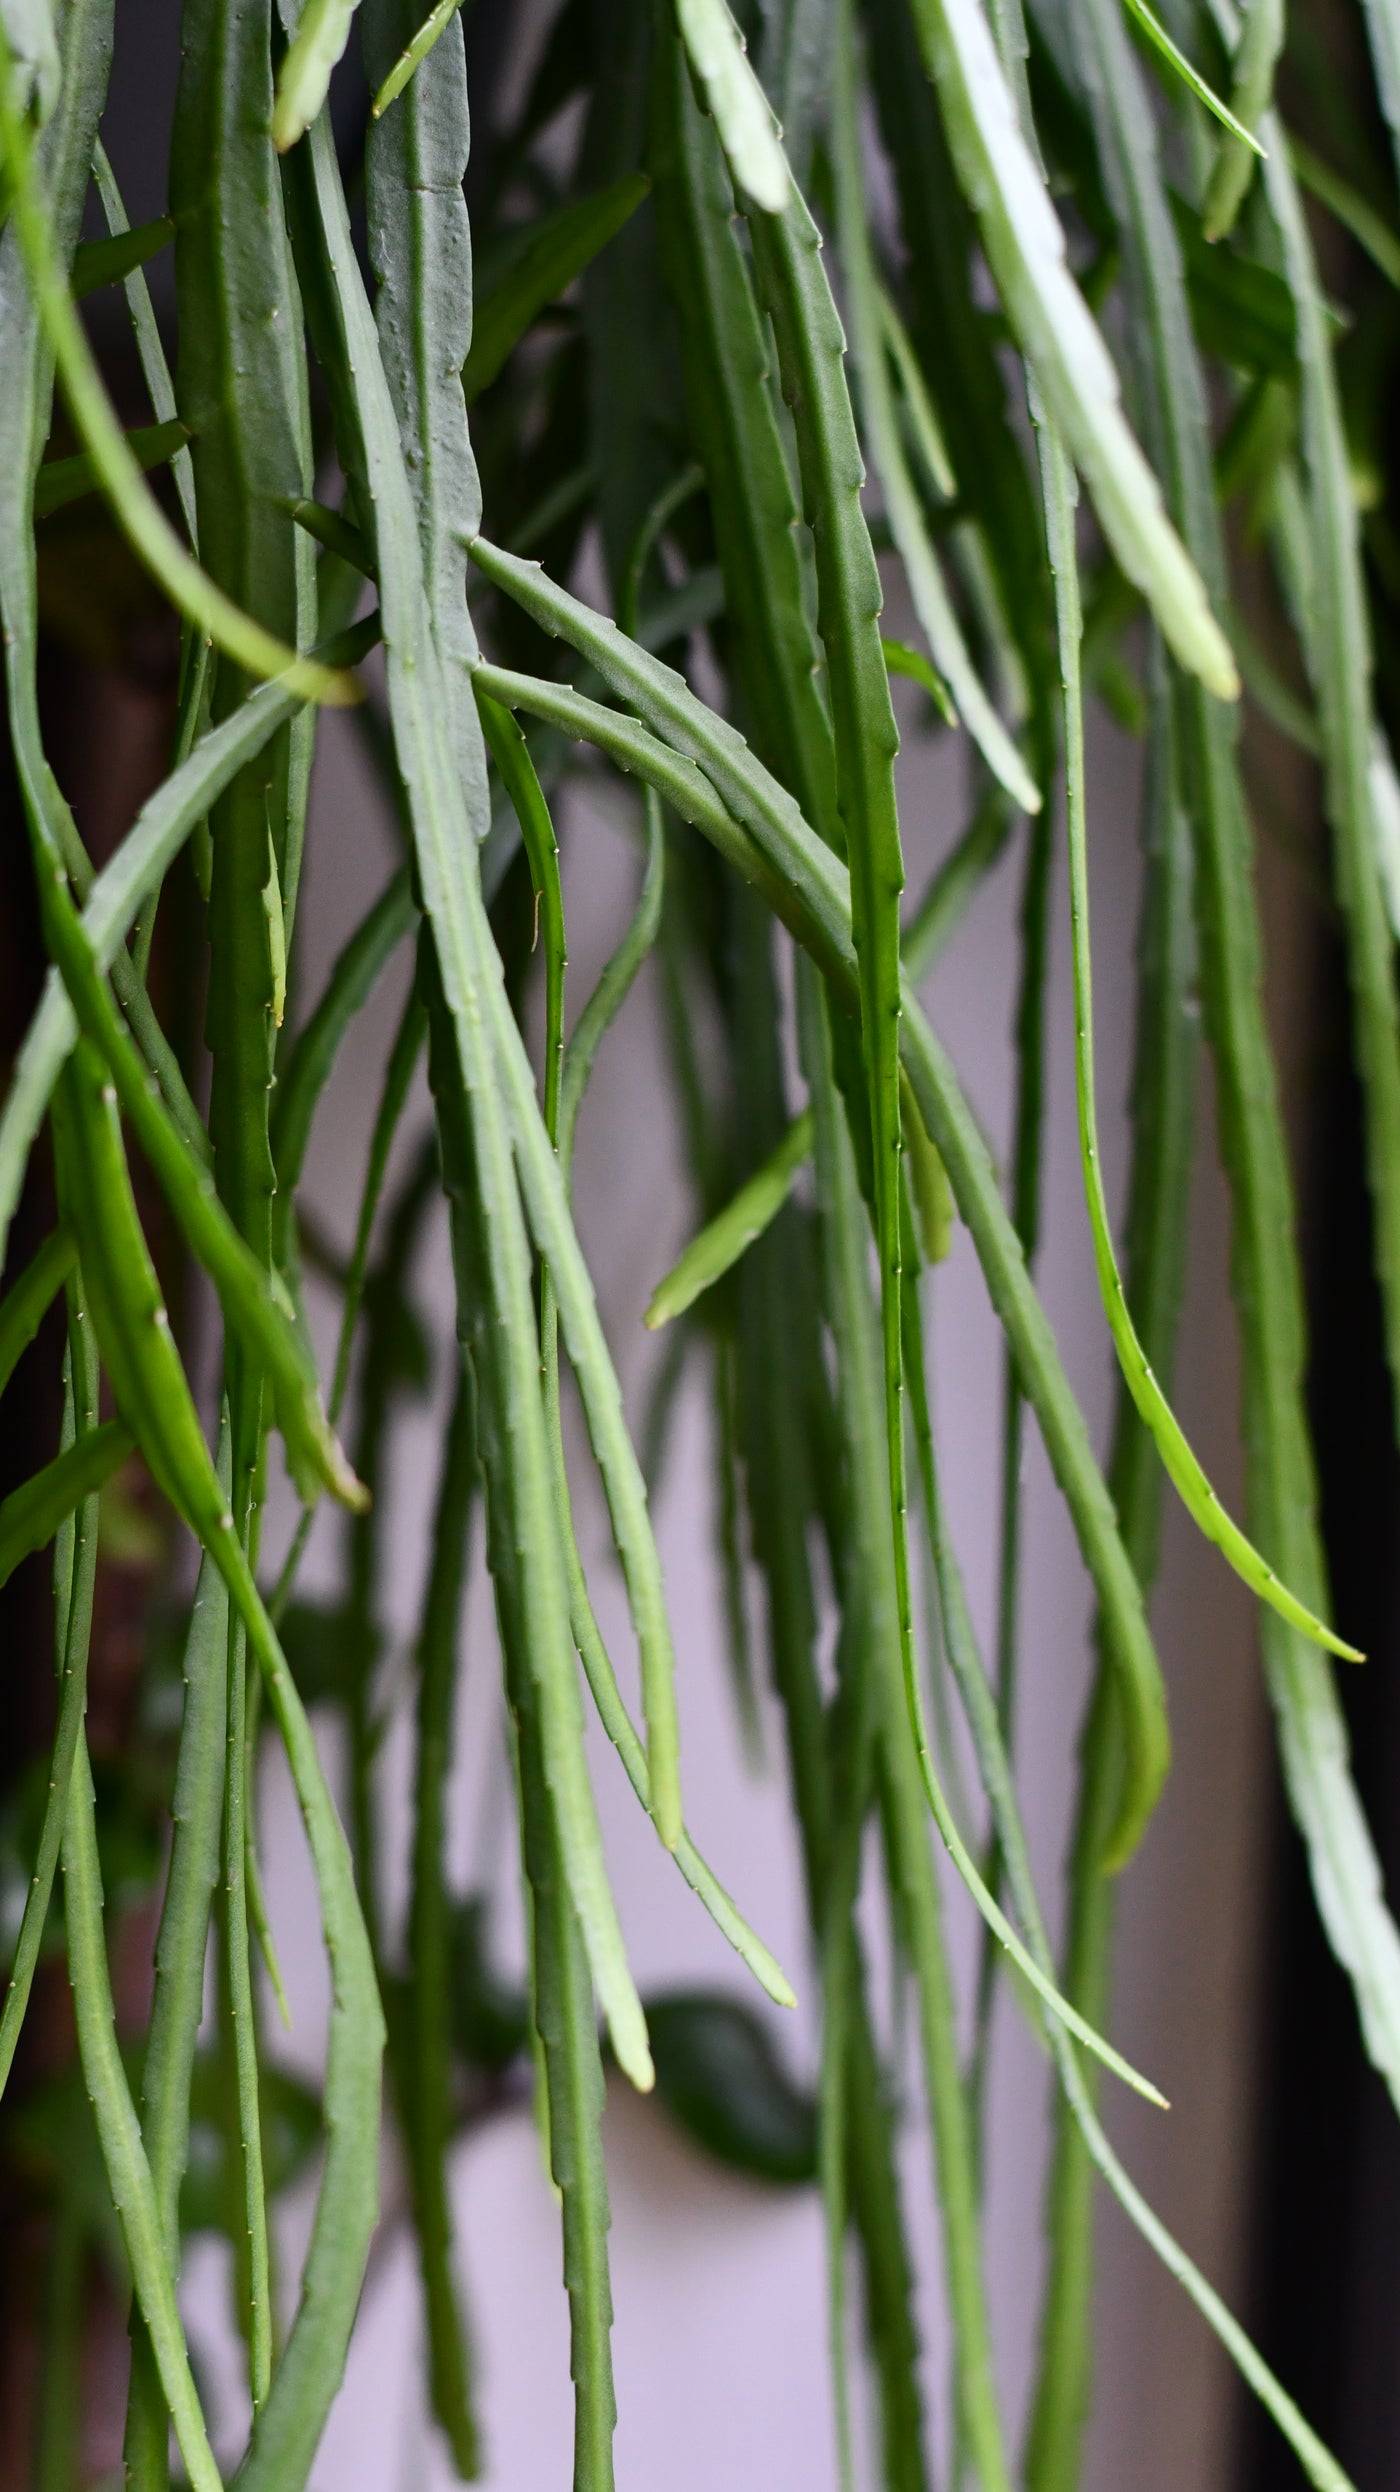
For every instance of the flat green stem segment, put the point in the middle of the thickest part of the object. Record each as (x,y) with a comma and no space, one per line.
(119,2131)
(904,510)
(547,1211)
(111,908)
(1166,1059)
(413,53)
(150,347)
(1280,1472)
(814,906)
(245,1293)
(694,1868)
(1056,332)
(423,2068)
(979,1705)
(565,2021)
(1181,1464)
(74,1563)
(31,1515)
(752,1210)
(811,350)
(338,534)
(559,1709)
(469,1007)
(1337,647)
(151,1392)
(119,2134)
(756,825)
(520,780)
(384,926)
(923,421)
(1256,57)
(917,669)
(732,1231)
(870,1604)
(615,983)
(566,2025)
(1039,1975)
(512,757)
(245,2173)
(437,322)
(398,1075)
(177,2004)
(594,1021)
(140,515)
(726,362)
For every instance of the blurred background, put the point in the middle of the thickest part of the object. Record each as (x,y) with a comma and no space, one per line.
(1224,1992)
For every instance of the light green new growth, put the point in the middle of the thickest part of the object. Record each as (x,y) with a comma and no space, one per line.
(742,112)
(1190,76)
(322,33)
(413,53)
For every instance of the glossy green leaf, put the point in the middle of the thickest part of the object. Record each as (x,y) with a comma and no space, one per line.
(720,1244)
(61,481)
(552,256)
(27,1301)
(110,262)
(721,2079)
(31,1515)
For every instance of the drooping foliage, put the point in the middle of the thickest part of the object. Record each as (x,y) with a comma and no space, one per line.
(749,330)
